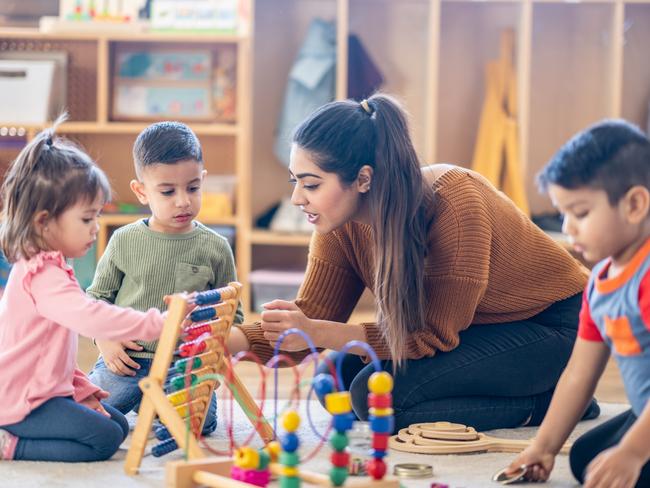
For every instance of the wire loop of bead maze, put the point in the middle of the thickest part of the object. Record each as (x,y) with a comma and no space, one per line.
(281,459)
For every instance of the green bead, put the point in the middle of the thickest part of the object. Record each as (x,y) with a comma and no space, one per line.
(338,476)
(339,441)
(289,482)
(265,459)
(181,364)
(289,459)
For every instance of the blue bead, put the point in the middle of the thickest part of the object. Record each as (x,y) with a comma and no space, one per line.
(289,442)
(342,422)
(203,314)
(378,454)
(208,297)
(165,447)
(382,425)
(323,384)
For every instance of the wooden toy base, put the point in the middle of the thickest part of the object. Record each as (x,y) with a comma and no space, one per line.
(215,473)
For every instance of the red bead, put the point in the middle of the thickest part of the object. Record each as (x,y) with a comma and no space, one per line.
(376,468)
(380,442)
(340,459)
(439,485)
(380,400)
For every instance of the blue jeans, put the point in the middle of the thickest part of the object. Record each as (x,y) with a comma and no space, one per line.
(126,394)
(500,376)
(63,430)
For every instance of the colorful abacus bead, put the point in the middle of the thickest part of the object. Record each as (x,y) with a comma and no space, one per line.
(339,404)
(382,421)
(251,466)
(289,457)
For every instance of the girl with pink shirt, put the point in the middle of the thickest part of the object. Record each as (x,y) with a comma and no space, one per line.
(49,411)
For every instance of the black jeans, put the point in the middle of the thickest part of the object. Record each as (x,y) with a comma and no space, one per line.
(606,435)
(500,376)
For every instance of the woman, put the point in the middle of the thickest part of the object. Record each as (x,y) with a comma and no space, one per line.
(477,307)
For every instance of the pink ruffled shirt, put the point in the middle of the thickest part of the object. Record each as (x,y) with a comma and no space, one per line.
(42,311)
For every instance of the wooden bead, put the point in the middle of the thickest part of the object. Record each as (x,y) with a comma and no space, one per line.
(338,403)
(237,473)
(338,476)
(379,453)
(323,384)
(382,425)
(274,449)
(380,441)
(291,421)
(339,441)
(342,423)
(265,459)
(340,459)
(380,412)
(246,458)
(380,400)
(289,442)
(289,482)
(257,478)
(288,471)
(380,382)
(289,459)
(376,468)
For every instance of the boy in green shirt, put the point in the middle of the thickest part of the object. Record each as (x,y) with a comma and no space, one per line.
(167,253)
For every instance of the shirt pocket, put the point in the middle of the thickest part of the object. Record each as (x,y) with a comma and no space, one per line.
(192,277)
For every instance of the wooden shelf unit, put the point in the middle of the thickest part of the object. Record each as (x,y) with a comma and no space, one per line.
(91,58)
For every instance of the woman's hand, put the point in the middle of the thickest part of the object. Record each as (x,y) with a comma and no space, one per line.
(279,316)
(93,402)
(539,462)
(614,467)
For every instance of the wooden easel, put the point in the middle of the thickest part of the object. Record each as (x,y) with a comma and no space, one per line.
(156,402)
(496,154)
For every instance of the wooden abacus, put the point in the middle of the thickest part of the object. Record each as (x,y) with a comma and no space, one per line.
(207,328)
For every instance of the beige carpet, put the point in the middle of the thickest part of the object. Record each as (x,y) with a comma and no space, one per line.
(470,470)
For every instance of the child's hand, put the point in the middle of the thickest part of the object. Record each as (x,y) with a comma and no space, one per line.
(116,358)
(93,402)
(540,463)
(615,466)
(278,317)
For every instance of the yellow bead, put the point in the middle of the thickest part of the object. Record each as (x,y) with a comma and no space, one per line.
(288,471)
(380,412)
(291,421)
(338,403)
(246,458)
(380,382)
(274,449)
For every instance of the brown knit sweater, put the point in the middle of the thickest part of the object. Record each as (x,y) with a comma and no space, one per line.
(487,263)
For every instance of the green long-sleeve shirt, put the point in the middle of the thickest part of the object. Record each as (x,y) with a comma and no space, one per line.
(140,266)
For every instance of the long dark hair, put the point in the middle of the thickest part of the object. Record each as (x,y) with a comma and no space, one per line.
(51,174)
(345,135)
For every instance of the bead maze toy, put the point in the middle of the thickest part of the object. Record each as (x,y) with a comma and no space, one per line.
(449,438)
(203,321)
(251,467)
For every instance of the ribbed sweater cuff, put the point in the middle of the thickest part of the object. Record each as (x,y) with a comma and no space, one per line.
(375,339)
(258,344)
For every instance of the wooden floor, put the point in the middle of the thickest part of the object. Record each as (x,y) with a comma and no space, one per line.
(610,388)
